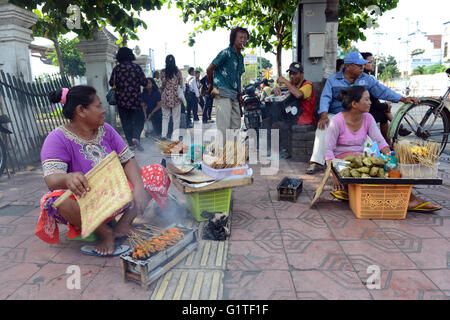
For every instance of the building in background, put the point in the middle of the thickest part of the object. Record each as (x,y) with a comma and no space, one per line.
(445,44)
(419,49)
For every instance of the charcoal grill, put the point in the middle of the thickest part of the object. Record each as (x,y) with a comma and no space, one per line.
(148,270)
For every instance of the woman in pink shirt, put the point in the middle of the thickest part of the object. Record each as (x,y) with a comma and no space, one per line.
(347,133)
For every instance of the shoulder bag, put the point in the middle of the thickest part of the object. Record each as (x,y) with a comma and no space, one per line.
(111,95)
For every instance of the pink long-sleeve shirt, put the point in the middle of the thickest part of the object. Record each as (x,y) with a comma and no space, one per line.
(341,140)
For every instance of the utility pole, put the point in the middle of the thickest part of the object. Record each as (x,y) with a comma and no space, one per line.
(195,66)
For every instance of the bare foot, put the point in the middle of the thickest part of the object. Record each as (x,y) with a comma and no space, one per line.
(106,245)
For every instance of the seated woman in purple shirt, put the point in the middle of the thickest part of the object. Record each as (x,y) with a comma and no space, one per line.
(69,152)
(347,133)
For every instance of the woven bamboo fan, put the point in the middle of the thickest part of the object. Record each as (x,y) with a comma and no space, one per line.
(109,192)
(319,189)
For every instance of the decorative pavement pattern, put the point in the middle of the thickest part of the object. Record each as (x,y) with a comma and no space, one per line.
(278,250)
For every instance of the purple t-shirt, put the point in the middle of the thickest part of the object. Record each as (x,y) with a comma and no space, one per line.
(65,152)
(340,139)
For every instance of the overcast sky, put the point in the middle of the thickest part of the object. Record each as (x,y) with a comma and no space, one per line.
(167,34)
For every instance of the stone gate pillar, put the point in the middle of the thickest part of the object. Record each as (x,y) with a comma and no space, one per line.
(144,62)
(99,55)
(15,37)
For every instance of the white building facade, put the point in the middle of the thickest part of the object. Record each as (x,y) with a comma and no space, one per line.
(419,49)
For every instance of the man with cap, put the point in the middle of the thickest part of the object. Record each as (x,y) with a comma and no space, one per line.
(351,75)
(302,90)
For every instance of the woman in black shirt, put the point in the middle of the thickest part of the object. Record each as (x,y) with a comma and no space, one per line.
(151,104)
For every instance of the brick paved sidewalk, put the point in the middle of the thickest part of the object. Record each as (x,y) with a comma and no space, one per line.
(277,250)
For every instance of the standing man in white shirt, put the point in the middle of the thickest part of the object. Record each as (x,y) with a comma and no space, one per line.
(193,95)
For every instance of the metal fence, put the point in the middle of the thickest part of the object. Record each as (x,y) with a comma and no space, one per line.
(32,116)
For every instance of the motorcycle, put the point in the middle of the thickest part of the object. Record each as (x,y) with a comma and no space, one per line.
(283,107)
(252,107)
(3,154)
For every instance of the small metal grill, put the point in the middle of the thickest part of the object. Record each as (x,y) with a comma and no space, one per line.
(146,271)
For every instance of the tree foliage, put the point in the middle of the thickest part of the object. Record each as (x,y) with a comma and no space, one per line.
(270,21)
(120,14)
(388,69)
(434,68)
(71,56)
(357,16)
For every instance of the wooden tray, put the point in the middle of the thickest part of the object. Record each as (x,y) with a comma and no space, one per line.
(388,181)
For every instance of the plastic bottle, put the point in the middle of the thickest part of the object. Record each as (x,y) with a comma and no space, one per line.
(392,166)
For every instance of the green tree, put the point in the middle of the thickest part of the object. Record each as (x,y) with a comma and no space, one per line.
(264,63)
(94,14)
(71,56)
(270,21)
(251,73)
(435,68)
(388,69)
(419,70)
(346,21)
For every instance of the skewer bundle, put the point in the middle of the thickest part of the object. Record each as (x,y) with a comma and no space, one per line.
(417,152)
(144,247)
(230,156)
(175,147)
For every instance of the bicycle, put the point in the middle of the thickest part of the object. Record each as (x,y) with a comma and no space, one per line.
(428,120)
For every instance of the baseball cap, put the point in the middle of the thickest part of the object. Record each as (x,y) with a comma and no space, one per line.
(354,57)
(295,67)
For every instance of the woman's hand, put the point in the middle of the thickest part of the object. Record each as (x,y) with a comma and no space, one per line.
(77,183)
(140,200)
(385,150)
(149,116)
(337,186)
(140,196)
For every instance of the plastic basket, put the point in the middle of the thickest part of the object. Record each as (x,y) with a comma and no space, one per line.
(418,171)
(213,201)
(379,201)
(223,173)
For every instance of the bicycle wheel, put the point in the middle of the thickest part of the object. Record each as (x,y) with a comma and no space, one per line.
(424,122)
(2,157)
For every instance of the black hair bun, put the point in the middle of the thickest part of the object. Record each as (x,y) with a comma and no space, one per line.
(342,95)
(55,96)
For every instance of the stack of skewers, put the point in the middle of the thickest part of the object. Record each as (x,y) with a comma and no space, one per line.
(175,147)
(150,240)
(417,152)
(230,156)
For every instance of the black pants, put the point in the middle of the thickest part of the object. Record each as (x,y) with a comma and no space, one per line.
(192,107)
(284,134)
(157,122)
(132,123)
(207,109)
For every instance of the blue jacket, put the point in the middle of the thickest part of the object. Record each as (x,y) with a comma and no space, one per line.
(337,82)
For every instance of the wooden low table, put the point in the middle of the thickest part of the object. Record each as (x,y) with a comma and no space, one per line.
(218,185)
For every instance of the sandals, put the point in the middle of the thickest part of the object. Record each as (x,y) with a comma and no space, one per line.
(340,194)
(421,208)
(313,168)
